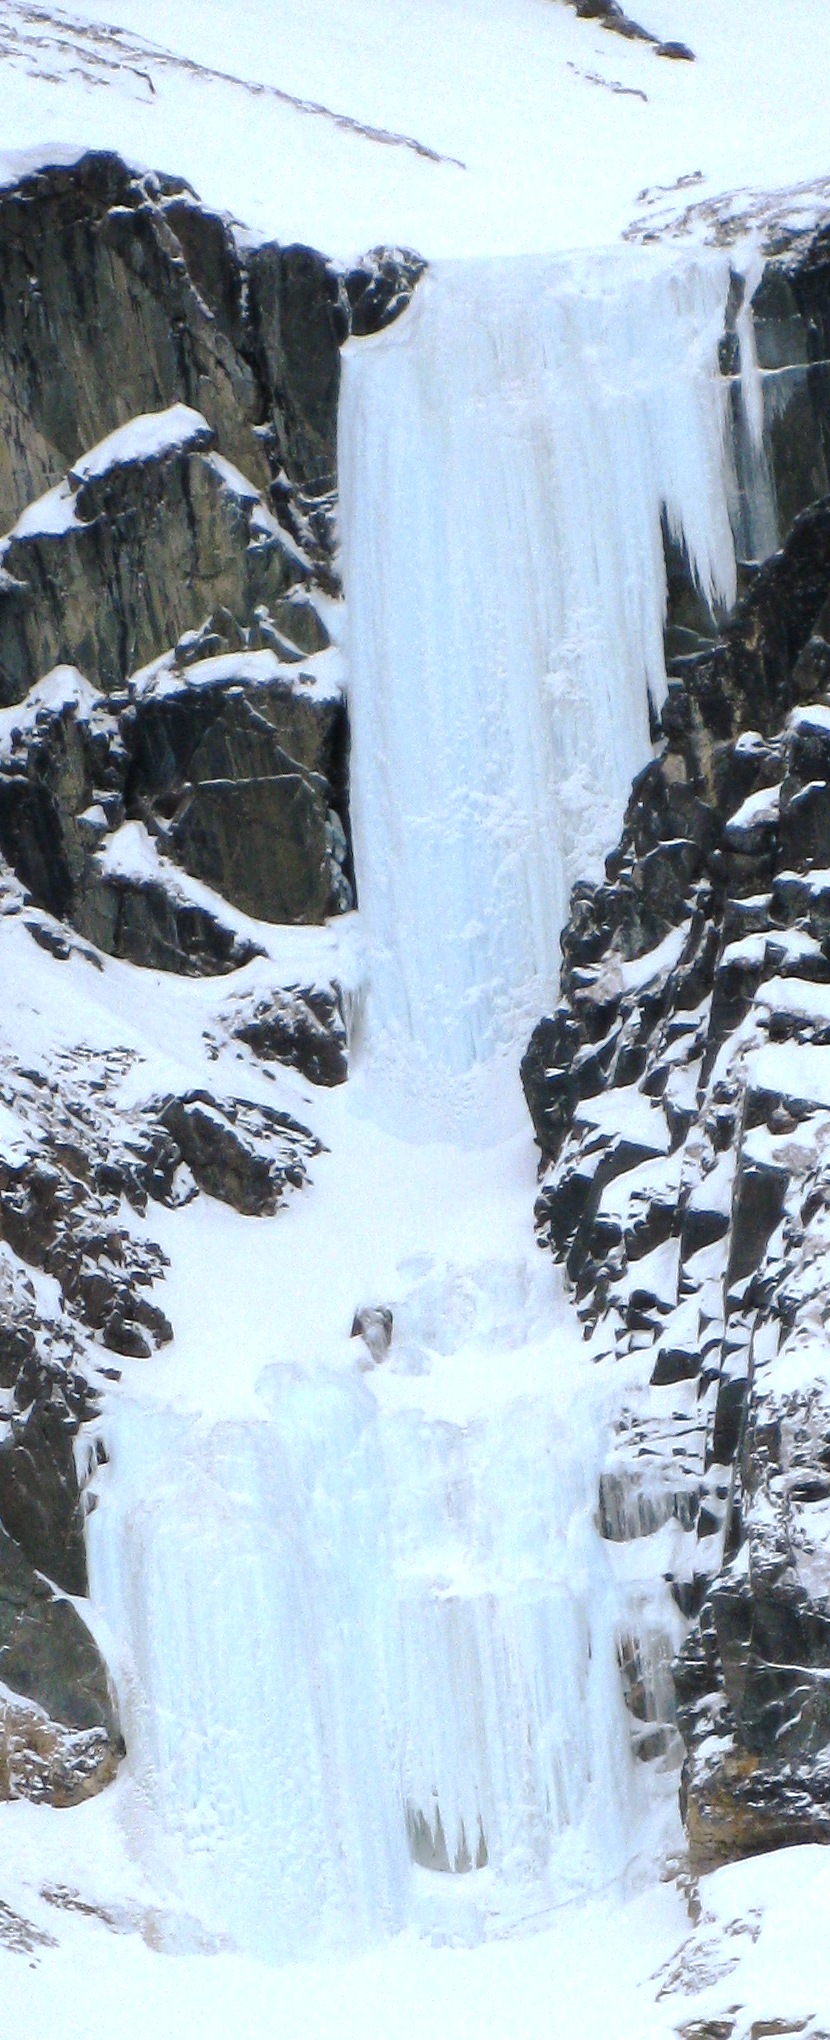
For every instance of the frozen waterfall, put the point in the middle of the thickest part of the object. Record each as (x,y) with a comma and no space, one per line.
(372,1630)
(369,1631)
(506,451)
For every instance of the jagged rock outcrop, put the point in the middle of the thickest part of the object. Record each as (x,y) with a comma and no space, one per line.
(680,1098)
(246,1155)
(612,16)
(303,1027)
(240,760)
(149,534)
(235,759)
(120,293)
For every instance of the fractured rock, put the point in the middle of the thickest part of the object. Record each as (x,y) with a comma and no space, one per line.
(134,549)
(246,1155)
(708,1012)
(301,1026)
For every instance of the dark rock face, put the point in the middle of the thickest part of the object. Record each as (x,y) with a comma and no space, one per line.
(246,1155)
(101,318)
(247,770)
(39,1491)
(680,1100)
(612,16)
(121,294)
(60,1740)
(144,553)
(129,316)
(67,1680)
(237,764)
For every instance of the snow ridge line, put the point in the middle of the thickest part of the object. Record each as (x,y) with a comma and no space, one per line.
(125,46)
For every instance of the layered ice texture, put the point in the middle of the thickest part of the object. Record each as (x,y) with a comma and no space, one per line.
(507,453)
(373,1634)
(372,1631)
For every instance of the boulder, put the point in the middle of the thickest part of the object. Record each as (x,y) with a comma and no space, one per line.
(301,1026)
(246,1155)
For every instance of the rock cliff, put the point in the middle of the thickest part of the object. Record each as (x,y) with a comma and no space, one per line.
(680,1101)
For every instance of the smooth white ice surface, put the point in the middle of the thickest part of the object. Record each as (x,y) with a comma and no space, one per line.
(507,450)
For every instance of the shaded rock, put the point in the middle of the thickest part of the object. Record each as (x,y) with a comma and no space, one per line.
(246,1155)
(236,764)
(106,574)
(102,317)
(47,1654)
(304,1028)
(380,288)
(39,1491)
(151,922)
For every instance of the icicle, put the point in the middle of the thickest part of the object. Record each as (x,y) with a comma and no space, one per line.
(506,451)
(350,1634)
(753,505)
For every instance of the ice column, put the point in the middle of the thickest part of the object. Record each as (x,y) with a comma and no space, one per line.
(506,450)
(242,1571)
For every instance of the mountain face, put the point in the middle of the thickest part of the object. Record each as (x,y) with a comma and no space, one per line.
(174,783)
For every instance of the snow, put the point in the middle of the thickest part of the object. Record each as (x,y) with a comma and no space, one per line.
(797,996)
(643,970)
(795,1070)
(814,717)
(320,675)
(796,946)
(50,516)
(758,808)
(627,1112)
(519,92)
(151,436)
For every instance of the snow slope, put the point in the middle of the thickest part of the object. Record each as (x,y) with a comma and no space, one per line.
(560,127)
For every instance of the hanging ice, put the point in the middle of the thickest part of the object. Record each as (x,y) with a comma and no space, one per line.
(506,451)
(242,1568)
(356,1634)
